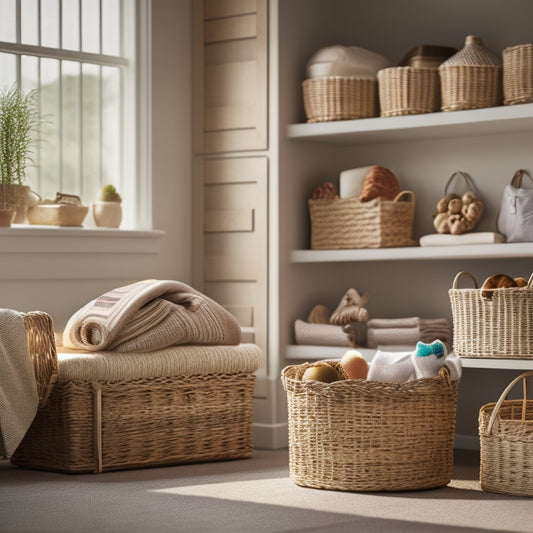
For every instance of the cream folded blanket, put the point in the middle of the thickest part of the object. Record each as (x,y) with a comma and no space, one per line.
(19,398)
(150,315)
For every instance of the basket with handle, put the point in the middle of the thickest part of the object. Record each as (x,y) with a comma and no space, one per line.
(506,440)
(497,327)
(349,223)
(361,435)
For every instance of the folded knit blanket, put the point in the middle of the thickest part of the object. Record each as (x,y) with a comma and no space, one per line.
(150,315)
(19,398)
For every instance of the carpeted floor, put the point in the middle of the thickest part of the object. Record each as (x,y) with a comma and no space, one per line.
(250,495)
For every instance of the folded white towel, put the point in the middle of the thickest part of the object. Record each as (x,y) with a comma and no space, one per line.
(395,367)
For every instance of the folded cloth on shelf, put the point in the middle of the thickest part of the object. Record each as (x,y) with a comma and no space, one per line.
(150,315)
(319,334)
(407,322)
(19,398)
(384,336)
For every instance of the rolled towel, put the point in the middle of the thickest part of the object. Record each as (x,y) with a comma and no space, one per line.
(428,358)
(394,367)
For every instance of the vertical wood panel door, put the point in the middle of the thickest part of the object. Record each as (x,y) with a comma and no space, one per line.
(230,75)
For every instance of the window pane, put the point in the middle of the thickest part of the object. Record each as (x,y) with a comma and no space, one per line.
(7,21)
(90,26)
(71,25)
(8,69)
(110,24)
(29,67)
(50,23)
(111,125)
(71,124)
(91,132)
(29,19)
(50,147)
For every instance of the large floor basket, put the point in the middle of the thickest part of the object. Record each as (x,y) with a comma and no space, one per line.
(506,438)
(359,435)
(499,326)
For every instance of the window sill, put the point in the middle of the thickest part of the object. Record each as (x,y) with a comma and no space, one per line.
(21,238)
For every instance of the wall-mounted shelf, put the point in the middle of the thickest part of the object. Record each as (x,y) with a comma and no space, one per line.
(317,353)
(489,121)
(476,251)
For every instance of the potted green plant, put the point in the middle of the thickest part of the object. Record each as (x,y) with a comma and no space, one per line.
(19,121)
(107,211)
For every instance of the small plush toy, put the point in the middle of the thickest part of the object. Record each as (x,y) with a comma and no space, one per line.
(350,309)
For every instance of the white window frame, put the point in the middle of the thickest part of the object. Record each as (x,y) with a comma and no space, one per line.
(137,155)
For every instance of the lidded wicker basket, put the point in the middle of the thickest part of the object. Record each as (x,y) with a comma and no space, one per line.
(518,74)
(471,78)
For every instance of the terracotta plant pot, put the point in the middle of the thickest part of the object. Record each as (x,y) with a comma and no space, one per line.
(7,216)
(107,214)
(21,196)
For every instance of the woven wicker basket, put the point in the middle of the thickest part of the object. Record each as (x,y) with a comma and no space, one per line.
(506,440)
(360,435)
(518,74)
(471,79)
(340,98)
(408,91)
(103,426)
(349,223)
(499,327)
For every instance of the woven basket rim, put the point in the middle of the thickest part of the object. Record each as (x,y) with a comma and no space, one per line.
(517,47)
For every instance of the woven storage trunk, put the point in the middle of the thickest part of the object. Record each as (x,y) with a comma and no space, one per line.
(340,98)
(518,74)
(471,79)
(360,435)
(506,440)
(101,425)
(349,223)
(496,327)
(408,91)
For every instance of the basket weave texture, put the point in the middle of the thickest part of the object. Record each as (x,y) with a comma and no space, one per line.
(506,441)
(340,98)
(408,91)
(471,78)
(518,74)
(103,426)
(499,327)
(349,223)
(41,343)
(359,435)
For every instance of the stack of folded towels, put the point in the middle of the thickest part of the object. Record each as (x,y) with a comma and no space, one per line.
(424,362)
(407,331)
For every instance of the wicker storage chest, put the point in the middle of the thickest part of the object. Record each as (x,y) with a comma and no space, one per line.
(359,435)
(506,443)
(499,326)
(349,223)
(179,405)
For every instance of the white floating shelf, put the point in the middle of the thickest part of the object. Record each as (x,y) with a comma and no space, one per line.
(474,251)
(317,353)
(441,125)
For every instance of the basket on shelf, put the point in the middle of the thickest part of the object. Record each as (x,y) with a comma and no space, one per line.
(340,98)
(408,91)
(518,74)
(346,223)
(360,435)
(471,78)
(497,327)
(506,443)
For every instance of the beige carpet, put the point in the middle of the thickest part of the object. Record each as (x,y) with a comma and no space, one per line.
(251,495)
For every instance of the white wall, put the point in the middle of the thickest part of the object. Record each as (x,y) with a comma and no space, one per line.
(57,271)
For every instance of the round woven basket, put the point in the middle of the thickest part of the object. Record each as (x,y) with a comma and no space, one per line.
(408,91)
(361,435)
(340,98)
(471,78)
(518,74)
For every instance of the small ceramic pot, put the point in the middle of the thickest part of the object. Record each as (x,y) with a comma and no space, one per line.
(107,214)
(7,216)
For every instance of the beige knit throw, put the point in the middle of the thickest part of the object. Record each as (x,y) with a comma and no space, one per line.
(19,398)
(150,315)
